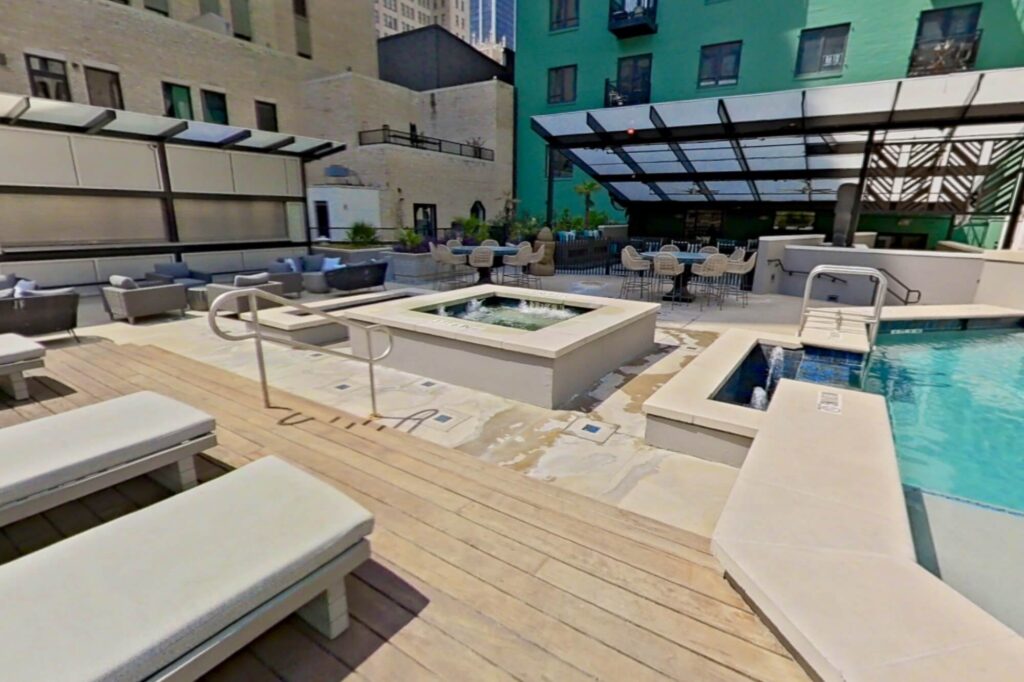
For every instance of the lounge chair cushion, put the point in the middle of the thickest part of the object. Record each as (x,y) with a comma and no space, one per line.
(38,455)
(251,280)
(123,600)
(7,293)
(35,293)
(331,264)
(16,348)
(122,282)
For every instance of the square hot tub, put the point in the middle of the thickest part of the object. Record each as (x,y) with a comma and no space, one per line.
(539,347)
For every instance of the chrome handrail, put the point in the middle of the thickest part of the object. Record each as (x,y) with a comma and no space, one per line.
(872,321)
(256,333)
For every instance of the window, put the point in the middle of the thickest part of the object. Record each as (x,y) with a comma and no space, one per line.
(158,6)
(565,14)
(952,22)
(559,165)
(209,7)
(299,7)
(266,116)
(48,78)
(104,88)
(215,107)
(562,84)
(177,101)
(241,21)
(478,211)
(822,50)
(720,64)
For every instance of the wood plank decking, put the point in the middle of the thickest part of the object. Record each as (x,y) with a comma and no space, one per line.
(478,573)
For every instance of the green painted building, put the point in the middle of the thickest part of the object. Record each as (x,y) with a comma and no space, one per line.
(589,55)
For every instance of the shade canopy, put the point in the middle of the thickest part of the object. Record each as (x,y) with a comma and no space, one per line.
(39,112)
(794,145)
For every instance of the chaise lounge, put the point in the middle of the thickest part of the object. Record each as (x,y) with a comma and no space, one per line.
(18,355)
(47,462)
(172,590)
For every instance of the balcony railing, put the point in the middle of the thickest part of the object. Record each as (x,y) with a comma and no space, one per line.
(616,96)
(944,55)
(628,18)
(430,144)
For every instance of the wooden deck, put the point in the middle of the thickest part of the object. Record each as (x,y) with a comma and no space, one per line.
(478,573)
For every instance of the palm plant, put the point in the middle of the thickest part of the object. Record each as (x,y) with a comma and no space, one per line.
(587,190)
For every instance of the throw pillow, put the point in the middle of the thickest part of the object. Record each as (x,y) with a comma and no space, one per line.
(331,264)
(313,263)
(8,281)
(122,282)
(294,263)
(251,280)
(24,285)
(175,270)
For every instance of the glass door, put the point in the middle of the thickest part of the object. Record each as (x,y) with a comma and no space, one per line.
(424,218)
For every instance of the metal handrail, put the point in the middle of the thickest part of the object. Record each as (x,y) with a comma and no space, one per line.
(905,300)
(873,321)
(256,333)
(778,263)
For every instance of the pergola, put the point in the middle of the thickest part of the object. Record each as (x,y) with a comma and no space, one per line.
(950,144)
(38,112)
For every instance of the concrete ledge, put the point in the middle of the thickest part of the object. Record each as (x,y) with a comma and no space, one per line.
(815,533)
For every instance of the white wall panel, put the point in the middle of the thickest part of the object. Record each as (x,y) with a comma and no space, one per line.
(200,170)
(293,171)
(135,267)
(255,174)
(116,164)
(36,158)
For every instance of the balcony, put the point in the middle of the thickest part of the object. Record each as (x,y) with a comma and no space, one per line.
(944,55)
(630,18)
(616,95)
(430,144)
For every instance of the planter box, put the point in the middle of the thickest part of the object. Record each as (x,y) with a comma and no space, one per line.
(413,267)
(351,256)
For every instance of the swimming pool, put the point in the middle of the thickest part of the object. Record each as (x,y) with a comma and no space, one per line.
(957,413)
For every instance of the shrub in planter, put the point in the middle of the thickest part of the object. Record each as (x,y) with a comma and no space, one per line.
(363,234)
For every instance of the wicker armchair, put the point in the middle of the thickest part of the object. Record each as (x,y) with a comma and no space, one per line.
(40,314)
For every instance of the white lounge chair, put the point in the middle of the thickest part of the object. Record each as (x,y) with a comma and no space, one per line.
(17,356)
(170,591)
(47,462)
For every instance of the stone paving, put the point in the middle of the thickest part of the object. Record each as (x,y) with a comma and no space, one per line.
(595,448)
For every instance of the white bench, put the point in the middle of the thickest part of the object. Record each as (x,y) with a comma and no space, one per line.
(47,462)
(17,356)
(172,590)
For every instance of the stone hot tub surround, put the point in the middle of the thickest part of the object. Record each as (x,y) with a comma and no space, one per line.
(548,367)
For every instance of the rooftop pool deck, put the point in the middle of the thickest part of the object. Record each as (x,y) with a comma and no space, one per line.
(477,572)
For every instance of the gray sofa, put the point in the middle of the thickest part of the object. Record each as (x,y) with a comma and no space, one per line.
(291,282)
(125,300)
(241,305)
(39,313)
(179,273)
(352,277)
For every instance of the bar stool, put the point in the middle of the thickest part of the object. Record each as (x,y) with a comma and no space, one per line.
(665,269)
(636,269)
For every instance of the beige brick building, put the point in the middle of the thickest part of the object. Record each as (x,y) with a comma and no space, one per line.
(304,68)
(398,16)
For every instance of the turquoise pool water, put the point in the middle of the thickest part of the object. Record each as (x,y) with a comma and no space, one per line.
(956,403)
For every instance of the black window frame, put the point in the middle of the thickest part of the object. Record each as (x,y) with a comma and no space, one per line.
(300,8)
(36,87)
(556,7)
(565,173)
(552,79)
(118,92)
(947,12)
(163,8)
(822,69)
(166,88)
(214,94)
(719,80)
(271,107)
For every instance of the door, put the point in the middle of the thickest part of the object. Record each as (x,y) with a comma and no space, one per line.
(952,22)
(424,218)
(635,79)
(323,219)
